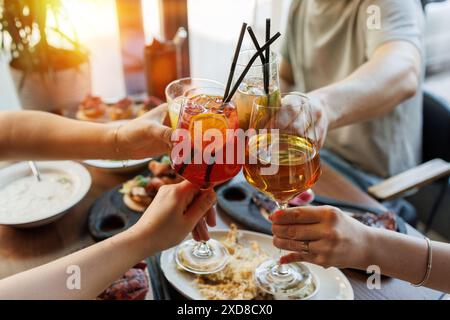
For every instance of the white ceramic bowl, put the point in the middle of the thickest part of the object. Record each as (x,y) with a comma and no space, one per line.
(78,174)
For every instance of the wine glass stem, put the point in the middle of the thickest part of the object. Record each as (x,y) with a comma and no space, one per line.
(202,250)
(280,269)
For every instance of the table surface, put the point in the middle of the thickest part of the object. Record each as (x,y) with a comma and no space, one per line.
(24,249)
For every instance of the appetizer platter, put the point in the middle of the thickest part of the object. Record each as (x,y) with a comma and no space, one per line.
(252,208)
(236,282)
(94,109)
(120,208)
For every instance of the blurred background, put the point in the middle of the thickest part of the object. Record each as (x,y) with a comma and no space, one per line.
(119,48)
(104,30)
(213,26)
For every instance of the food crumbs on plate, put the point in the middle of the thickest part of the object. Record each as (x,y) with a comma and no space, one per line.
(235,281)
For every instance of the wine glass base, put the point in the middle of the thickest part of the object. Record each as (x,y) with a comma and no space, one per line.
(191,257)
(287,280)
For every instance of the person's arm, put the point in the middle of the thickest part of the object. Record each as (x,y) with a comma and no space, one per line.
(336,239)
(391,76)
(405,257)
(26,135)
(173,213)
(287,81)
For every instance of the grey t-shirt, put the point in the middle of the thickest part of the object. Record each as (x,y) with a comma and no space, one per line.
(326,41)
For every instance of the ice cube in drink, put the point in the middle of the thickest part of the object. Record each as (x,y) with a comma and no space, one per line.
(203,112)
(248,91)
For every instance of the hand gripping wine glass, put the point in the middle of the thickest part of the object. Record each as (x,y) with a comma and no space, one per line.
(282,160)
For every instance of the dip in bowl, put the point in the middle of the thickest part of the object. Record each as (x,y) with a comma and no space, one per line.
(26,202)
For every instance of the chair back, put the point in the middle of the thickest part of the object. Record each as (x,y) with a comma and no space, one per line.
(436,128)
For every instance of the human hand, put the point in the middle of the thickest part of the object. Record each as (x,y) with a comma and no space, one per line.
(150,135)
(294,119)
(174,213)
(146,136)
(321,235)
(200,233)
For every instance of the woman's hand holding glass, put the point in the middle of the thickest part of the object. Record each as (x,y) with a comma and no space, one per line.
(174,213)
(333,237)
(149,136)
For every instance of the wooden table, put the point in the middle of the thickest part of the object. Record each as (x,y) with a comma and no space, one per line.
(24,249)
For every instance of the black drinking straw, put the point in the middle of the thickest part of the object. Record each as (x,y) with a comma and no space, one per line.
(185,164)
(263,60)
(235,58)
(249,65)
(267,39)
(209,169)
(267,65)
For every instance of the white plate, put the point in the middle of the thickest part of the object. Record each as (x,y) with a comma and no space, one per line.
(78,174)
(114,165)
(334,285)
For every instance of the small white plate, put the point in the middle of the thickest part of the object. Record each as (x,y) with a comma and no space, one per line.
(78,174)
(117,166)
(334,285)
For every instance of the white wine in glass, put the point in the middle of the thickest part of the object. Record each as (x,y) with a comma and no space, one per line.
(282,161)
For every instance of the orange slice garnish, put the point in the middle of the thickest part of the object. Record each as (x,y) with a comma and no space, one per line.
(205,121)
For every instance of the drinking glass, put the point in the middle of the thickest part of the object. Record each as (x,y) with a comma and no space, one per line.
(203,109)
(176,92)
(282,161)
(253,85)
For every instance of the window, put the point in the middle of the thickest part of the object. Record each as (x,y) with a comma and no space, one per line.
(214,27)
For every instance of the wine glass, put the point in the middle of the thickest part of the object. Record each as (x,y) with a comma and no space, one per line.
(282,161)
(253,84)
(177,90)
(203,109)
(252,87)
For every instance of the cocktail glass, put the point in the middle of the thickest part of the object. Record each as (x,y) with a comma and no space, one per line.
(253,85)
(177,90)
(203,115)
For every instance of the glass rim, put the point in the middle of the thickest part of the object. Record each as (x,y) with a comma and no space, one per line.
(166,91)
(258,63)
(185,98)
(203,87)
(282,95)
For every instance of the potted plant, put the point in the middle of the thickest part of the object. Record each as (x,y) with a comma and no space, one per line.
(49,67)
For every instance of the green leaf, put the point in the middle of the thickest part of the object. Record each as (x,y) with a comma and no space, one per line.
(141,181)
(166,160)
